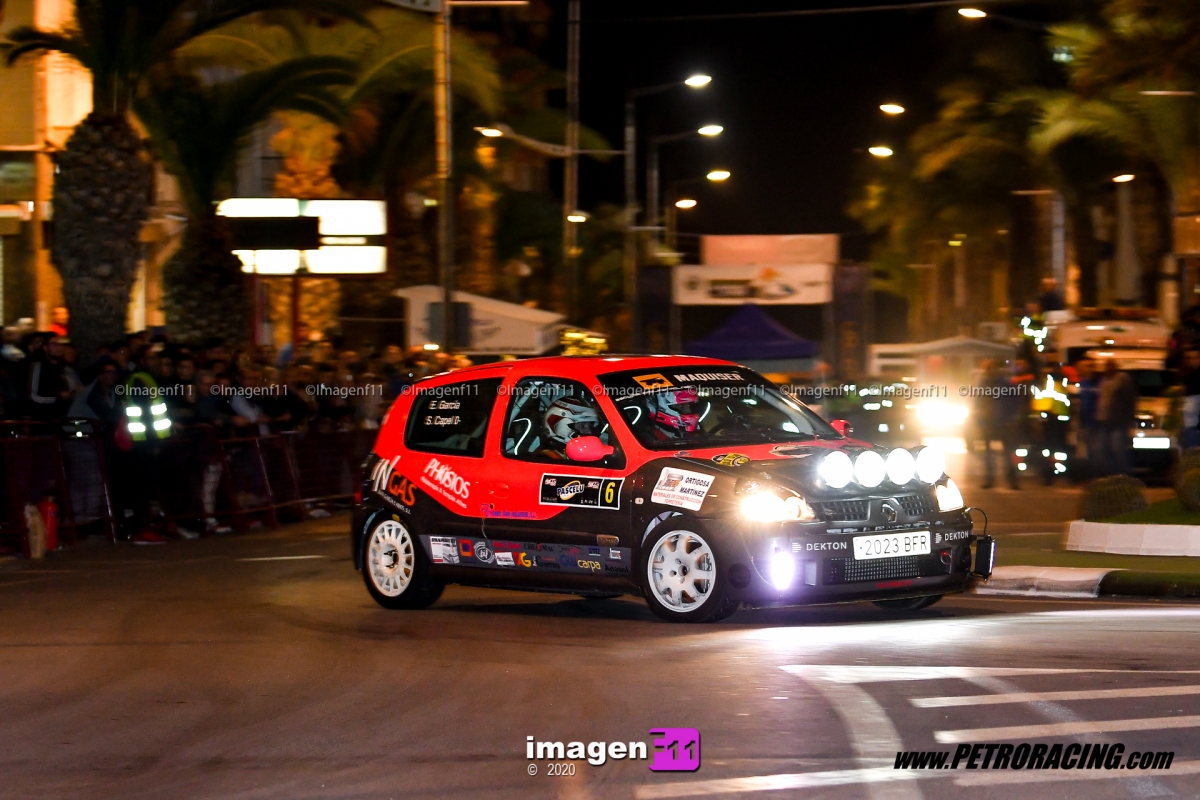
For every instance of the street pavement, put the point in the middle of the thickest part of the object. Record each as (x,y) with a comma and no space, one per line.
(256,666)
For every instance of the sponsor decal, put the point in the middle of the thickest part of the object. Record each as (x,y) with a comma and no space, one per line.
(484,553)
(616,569)
(707,376)
(951,536)
(593,551)
(465,548)
(442,479)
(582,491)
(654,380)
(731,459)
(523,559)
(825,546)
(492,513)
(504,560)
(614,554)
(543,561)
(681,488)
(443,550)
(391,485)
(588,564)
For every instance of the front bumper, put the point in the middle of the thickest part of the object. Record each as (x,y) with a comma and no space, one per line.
(824,569)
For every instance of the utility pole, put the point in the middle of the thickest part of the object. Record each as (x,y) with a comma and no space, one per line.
(629,265)
(571,165)
(444,167)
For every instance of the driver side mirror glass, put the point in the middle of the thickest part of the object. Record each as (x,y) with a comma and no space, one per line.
(588,448)
(842,426)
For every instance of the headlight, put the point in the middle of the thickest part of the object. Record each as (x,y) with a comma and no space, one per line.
(836,469)
(901,466)
(941,414)
(948,496)
(766,506)
(931,466)
(869,468)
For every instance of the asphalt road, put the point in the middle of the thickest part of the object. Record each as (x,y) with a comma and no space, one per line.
(256,666)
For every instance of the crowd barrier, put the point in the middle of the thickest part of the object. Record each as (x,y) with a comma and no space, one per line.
(193,478)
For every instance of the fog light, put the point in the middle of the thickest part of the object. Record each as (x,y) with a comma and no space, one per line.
(783,569)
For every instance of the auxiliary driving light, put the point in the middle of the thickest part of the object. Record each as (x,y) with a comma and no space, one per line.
(901,466)
(767,506)
(782,569)
(931,466)
(869,468)
(836,469)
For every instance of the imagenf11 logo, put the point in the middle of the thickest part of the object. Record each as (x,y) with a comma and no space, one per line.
(672,750)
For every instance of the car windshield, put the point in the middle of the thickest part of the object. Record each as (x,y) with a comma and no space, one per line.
(683,406)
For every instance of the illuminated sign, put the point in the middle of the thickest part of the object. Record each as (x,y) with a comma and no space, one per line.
(352,234)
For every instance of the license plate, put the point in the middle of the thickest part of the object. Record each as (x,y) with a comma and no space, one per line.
(891,545)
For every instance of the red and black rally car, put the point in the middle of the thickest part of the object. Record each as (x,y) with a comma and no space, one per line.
(694,482)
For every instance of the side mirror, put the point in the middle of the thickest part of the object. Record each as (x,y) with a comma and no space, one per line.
(587,448)
(842,426)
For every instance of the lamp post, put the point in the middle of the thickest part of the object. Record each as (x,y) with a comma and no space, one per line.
(652,171)
(571,165)
(629,260)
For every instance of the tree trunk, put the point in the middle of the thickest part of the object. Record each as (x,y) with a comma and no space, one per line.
(204,288)
(101,192)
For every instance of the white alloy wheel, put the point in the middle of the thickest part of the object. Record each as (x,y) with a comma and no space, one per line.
(681,571)
(391,558)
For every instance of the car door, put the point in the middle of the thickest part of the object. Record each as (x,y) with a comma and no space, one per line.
(572,512)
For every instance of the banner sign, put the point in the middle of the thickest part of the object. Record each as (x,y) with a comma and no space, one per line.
(794,284)
(757,251)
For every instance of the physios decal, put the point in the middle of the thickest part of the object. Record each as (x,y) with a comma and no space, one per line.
(500,554)
(574,490)
(681,488)
(442,479)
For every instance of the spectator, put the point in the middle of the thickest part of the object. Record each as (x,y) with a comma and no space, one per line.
(249,417)
(1116,413)
(1190,378)
(994,415)
(1050,298)
(99,399)
(1090,431)
(49,393)
(59,319)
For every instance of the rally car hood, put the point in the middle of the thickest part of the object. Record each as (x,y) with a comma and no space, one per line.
(794,466)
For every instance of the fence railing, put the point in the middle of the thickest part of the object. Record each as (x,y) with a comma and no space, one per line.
(194,477)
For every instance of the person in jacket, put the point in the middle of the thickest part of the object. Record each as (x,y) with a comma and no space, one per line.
(1116,414)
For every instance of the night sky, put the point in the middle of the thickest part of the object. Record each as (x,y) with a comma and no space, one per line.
(798,97)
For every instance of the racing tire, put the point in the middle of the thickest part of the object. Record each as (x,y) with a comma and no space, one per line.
(395,568)
(682,579)
(908,603)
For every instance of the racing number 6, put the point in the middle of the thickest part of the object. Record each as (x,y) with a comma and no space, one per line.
(608,493)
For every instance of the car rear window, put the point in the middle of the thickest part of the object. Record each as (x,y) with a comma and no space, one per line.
(452,418)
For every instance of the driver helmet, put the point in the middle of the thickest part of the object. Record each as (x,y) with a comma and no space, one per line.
(676,410)
(568,417)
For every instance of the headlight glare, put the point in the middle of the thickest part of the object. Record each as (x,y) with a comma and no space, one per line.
(836,469)
(869,468)
(948,496)
(901,466)
(931,466)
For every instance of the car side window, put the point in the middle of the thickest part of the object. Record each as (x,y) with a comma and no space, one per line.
(546,413)
(452,418)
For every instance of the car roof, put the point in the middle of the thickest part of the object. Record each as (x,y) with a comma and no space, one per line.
(576,367)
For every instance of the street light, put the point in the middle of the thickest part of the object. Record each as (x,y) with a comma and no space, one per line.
(710,130)
(718,175)
(629,260)
(578,216)
(1126,178)
(685,202)
(892,108)
(972,13)
(491,133)
(879,151)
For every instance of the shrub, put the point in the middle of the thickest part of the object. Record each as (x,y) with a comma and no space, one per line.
(1113,496)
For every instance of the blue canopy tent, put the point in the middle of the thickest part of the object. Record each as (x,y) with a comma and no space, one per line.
(753,338)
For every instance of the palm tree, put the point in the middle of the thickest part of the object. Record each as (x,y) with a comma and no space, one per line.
(104,175)
(200,129)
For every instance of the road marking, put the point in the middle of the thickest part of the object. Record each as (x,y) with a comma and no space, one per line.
(1024,732)
(774,783)
(1177,769)
(281,558)
(857,673)
(872,735)
(1034,697)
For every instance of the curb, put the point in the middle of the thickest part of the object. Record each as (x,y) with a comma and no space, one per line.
(1075,582)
